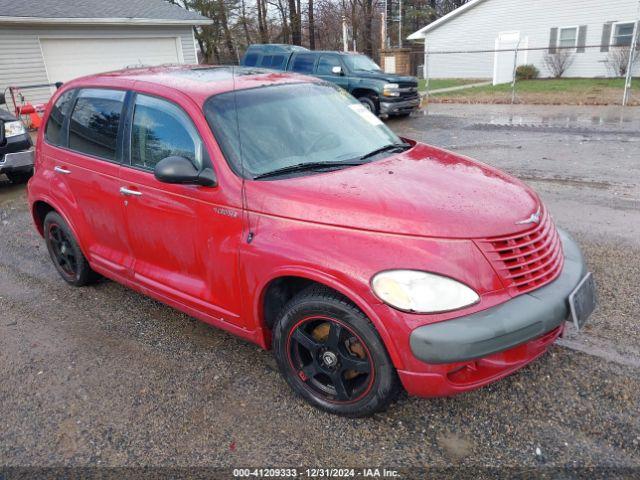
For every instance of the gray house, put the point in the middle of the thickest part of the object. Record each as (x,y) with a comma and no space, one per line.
(46,41)
(592,30)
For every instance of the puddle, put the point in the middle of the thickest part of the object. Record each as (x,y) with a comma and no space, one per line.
(540,115)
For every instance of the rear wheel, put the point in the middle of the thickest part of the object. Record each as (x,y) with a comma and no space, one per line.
(19,177)
(331,355)
(65,252)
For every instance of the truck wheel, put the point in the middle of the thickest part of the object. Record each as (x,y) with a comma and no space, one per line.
(67,257)
(330,354)
(369,104)
(19,177)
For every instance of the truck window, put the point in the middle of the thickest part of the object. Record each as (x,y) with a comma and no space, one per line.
(326,63)
(251,59)
(266,61)
(278,62)
(303,63)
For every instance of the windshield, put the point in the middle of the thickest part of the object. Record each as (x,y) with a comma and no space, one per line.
(282,126)
(361,63)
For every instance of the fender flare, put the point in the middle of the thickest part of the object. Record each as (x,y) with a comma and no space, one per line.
(331,282)
(60,211)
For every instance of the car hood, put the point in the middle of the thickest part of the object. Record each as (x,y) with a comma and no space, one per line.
(424,191)
(388,77)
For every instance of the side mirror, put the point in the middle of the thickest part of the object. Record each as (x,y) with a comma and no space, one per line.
(181,170)
(336,70)
(2,99)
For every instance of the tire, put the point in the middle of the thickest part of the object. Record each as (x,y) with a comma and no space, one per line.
(65,252)
(19,177)
(370,104)
(318,336)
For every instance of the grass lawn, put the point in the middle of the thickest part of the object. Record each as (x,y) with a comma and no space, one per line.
(437,83)
(564,91)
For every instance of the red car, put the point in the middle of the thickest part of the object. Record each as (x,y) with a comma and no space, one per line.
(276,207)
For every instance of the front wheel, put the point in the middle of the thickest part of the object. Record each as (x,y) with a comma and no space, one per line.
(330,354)
(369,104)
(19,177)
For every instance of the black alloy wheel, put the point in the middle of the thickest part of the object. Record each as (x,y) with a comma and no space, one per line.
(330,359)
(65,252)
(330,353)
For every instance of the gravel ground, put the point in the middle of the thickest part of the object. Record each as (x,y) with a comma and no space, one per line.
(104,376)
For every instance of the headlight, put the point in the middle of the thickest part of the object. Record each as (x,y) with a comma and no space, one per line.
(391,90)
(13,129)
(421,292)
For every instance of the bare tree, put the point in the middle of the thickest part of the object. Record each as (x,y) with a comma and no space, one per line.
(312,26)
(558,63)
(617,60)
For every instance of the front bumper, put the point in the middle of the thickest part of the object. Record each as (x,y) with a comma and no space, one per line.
(399,107)
(505,326)
(16,154)
(19,161)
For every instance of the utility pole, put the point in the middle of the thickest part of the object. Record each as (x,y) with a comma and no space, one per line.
(400,23)
(632,53)
(383,31)
(345,41)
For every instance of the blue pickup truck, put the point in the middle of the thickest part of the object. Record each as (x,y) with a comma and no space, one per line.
(384,94)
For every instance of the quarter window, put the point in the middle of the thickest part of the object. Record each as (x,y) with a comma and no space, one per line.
(303,63)
(277,62)
(622,34)
(160,130)
(95,120)
(53,130)
(568,37)
(251,59)
(326,63)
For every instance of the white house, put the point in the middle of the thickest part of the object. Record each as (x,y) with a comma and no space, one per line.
(592,28)
(48,41)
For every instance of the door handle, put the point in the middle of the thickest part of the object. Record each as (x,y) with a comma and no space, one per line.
(64,171)
(129,193)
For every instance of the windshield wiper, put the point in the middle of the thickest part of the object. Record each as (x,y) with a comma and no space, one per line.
(302,167)
(386,148)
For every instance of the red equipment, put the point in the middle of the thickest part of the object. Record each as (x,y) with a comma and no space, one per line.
(29,114)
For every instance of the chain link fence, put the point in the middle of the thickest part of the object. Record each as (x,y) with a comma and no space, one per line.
(515,72)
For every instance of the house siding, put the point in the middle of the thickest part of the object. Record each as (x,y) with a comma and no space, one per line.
(477,29)
(22,63)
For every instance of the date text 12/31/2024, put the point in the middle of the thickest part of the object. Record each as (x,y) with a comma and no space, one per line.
(315,473)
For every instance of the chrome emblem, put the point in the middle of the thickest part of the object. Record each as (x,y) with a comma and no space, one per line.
(534,218)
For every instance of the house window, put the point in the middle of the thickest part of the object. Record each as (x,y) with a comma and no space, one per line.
(568,37)
(622,34)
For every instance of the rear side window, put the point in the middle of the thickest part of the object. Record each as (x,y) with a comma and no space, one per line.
(161,129)
(251,59)
(278,62)
(53,130)
(303,63)
(266,61)
(93,128)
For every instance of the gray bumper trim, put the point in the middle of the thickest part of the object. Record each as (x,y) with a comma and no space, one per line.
(393,107)
(17,160)
(504,326)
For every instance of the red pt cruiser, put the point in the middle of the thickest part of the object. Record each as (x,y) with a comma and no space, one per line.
(276,207)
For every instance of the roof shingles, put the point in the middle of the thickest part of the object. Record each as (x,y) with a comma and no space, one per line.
(97,9)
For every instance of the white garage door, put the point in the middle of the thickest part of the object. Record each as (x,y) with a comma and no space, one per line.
(68,58)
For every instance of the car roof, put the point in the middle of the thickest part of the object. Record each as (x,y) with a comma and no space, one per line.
(196,81)
(335,52)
